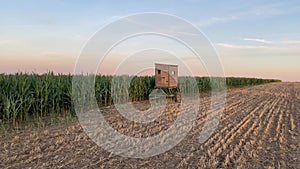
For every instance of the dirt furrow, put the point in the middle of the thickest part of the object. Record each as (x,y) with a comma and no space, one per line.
(259,129)
(250,137)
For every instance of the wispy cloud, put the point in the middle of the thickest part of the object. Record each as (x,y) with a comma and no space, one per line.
(233,46)
(282,42)
(218,20)
(291,42)
(257,11)
(285,44)
(263,48)
(257,40)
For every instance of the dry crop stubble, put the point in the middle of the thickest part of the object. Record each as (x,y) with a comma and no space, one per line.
(259,129)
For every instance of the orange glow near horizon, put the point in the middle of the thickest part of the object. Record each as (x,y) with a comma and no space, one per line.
(11,66)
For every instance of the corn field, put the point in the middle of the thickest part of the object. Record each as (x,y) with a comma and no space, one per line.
(25,96)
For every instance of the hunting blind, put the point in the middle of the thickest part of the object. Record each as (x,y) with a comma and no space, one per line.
(166,76)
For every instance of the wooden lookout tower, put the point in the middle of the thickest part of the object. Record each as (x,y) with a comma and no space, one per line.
(166,76)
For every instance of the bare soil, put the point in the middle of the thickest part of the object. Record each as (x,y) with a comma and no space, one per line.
(259,128)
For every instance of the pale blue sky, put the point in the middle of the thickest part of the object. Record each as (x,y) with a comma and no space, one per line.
(255,38)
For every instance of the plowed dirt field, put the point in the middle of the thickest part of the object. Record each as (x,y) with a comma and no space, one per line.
(259,128)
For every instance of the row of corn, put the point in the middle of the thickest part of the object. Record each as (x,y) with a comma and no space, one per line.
(25,96)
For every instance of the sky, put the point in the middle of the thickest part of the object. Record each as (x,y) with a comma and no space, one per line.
(257,38)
